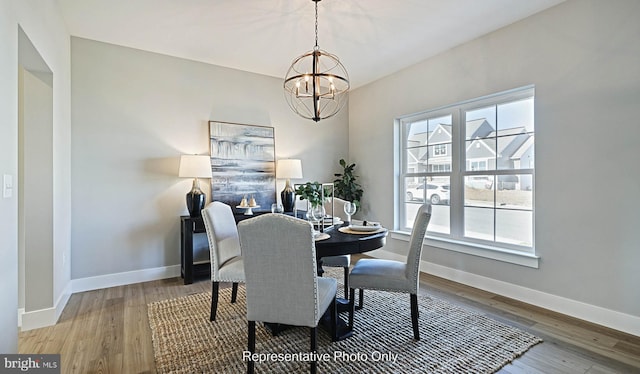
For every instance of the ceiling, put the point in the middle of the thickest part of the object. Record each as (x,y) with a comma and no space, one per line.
(372,38)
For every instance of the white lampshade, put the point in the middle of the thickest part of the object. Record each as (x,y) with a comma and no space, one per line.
(289,169)
(195,166)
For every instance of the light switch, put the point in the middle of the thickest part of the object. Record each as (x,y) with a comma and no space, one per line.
(7,186)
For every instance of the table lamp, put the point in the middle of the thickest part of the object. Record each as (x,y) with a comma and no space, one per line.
(288,169)
(195,166)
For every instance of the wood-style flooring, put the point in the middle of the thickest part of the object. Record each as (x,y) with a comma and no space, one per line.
(106,331)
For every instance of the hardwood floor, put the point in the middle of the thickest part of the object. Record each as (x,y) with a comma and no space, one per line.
(106,331)
(570,345)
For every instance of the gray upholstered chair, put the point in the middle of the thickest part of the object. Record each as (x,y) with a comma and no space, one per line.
(282,282)
(394,276)
(224,251)
(341,261)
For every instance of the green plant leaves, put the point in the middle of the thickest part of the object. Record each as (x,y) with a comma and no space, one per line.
(346,186)
(311,191)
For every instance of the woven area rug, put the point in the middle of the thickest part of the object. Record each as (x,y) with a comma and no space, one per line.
(453,340)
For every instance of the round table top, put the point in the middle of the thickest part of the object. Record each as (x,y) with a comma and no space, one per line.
(341,243)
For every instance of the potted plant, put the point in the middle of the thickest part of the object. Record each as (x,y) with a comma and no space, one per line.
(312,192)
(346,186)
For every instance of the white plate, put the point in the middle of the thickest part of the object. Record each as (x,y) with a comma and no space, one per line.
(364,228)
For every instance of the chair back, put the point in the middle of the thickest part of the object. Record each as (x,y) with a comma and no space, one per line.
(338,206)
(280,270)
(417,240)
(224,243)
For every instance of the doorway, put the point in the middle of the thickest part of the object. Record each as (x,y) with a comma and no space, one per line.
(35,179)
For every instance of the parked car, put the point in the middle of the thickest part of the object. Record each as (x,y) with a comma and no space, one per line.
(436,193)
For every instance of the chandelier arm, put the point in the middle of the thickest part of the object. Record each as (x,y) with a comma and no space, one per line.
(307,107)
(322,75)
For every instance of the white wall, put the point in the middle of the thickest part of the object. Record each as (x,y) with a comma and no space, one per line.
(9,165)
(584,59)
(43,24)
(134,114)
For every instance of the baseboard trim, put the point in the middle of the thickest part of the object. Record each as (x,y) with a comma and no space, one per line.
(44,317)
(38,318)
(20,314)
(124,278)
(606,317)
(49,316)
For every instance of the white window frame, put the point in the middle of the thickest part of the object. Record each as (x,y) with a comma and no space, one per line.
(456,241)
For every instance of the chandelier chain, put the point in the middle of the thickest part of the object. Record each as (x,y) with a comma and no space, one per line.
(316,24)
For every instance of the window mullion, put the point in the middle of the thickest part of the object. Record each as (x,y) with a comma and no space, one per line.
(457,180)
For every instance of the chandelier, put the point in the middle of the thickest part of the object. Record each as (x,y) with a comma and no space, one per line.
(316,84)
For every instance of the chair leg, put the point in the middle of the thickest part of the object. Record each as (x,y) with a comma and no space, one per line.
(314,347)
(352,303)
(234,292)
(361,301)
(334,320)
(414,316)
(251,345)
(214,300)
(346,282)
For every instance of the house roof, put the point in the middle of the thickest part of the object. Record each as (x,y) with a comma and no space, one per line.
(524,147)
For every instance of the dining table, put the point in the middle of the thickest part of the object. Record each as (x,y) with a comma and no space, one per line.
(342,241)
(335,240)
(339,240)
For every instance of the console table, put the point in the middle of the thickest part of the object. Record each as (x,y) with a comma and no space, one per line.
(188,227)
(194,225)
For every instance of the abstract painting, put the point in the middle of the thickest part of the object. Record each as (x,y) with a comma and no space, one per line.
(242,164)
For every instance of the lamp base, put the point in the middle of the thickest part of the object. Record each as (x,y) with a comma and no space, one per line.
(288,197)
(195,200)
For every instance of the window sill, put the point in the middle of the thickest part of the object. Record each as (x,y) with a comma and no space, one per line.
(494,253)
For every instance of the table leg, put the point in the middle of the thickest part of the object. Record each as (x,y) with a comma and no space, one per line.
(187,251)
(342,328)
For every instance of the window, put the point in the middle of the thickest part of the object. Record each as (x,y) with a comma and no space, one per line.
(474,162)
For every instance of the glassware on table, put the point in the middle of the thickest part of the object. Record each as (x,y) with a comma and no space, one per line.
(349,210)
(317,216)
(277,208)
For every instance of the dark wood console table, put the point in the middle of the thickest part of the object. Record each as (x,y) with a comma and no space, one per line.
(188,227)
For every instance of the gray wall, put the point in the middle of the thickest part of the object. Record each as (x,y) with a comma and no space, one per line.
(43,25)
(584,59)
(134,114)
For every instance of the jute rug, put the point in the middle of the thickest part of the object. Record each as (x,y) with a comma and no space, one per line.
(453,340)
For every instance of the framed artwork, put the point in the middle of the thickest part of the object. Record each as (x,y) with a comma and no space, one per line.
(243,164)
